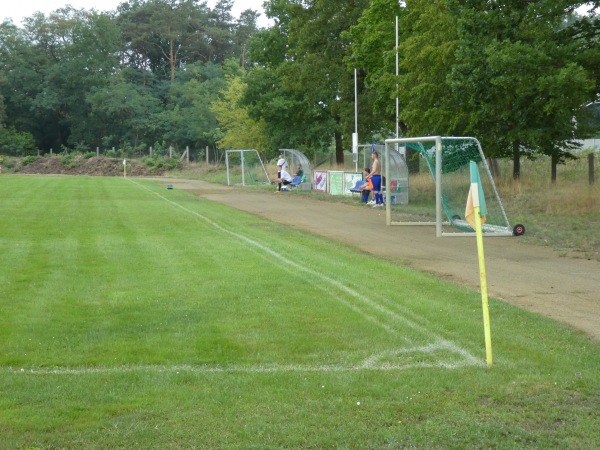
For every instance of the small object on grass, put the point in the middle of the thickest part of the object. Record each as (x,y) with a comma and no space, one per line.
(169,186)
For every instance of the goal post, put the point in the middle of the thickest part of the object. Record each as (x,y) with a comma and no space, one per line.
(448,160)
(245,167)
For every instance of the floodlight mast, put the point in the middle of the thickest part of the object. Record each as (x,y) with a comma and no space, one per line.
(397,73)
(355,134)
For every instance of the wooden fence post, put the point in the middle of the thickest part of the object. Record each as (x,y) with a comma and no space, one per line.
(591,168)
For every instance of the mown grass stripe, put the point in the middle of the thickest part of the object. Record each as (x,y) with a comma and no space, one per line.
(361,297)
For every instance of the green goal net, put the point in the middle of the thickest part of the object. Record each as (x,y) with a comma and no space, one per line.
(448,161)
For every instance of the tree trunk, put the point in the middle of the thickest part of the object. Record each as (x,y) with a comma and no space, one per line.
(412,160)
(494,167)
(172,60)
(339,149)
(516,160)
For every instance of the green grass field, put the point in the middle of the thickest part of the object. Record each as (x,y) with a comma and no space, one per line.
(134,316)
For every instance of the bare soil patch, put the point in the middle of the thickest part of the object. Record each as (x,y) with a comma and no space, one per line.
(535,278)
(78,165)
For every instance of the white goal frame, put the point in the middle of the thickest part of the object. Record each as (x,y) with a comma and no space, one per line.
(490,230)
(242,153)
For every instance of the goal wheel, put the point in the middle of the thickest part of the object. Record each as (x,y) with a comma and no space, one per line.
(519,230)
(455,217)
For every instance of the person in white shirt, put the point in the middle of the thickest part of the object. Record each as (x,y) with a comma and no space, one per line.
(281,167)
(284,179)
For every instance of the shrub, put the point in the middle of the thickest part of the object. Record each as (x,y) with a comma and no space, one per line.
(156,163)
(70,161)
(29,159)
(15,143)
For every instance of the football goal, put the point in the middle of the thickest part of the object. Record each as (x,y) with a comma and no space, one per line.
(448,161)
(244,167)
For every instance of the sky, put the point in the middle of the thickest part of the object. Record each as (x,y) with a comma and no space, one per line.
(19,9)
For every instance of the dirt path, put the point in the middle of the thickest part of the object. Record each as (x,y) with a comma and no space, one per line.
(531,277)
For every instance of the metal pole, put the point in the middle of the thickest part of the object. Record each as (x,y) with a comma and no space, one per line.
(355,144)
(438,186)
(388,202)
(227,165)
(397,73)
(355,102)
(243,170)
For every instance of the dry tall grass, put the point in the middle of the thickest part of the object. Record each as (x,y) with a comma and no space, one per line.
(564,215)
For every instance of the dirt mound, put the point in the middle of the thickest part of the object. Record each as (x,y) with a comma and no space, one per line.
(78,165)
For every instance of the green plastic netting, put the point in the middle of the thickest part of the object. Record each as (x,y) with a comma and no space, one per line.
(455,181)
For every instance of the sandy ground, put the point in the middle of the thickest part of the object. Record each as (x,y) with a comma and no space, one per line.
(530,277)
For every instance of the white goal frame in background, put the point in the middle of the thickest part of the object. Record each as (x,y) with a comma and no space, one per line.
(242,153)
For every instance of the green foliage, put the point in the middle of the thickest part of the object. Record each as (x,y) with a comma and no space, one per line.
(81,76)
(159,162)
(513,74)
(15,143)
(239,130)
(523,90)
(113,153)
(310,99)
(373,53)
(70,160)
(29,159)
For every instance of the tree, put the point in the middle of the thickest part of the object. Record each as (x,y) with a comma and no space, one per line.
(121,113)
(374,54)
(304,54)
(187,118)
(238,130)
(50,65)
(519,88)
(427,55)
(160,35)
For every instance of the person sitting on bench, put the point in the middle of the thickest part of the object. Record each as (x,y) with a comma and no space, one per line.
(366,187)
(299,171)
(284,179)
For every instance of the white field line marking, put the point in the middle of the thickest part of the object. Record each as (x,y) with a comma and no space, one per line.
(330,281)
(405,313)
(372,363)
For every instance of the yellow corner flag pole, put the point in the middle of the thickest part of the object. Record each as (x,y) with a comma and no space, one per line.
(475,204)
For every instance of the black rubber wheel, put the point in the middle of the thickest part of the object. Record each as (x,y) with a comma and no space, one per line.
(455,217)
(519,230)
